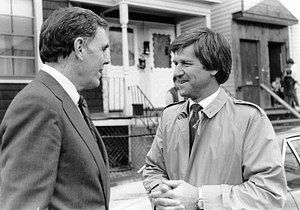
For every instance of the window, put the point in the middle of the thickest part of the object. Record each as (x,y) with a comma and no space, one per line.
(115,37)
(291,163)
(17,49)
(162,55)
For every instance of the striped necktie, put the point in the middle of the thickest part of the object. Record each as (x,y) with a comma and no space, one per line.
(86,115)
(195,108)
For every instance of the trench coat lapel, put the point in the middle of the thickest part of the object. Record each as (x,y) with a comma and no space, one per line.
(182,122)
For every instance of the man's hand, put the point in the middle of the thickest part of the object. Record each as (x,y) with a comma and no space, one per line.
(176,195)
(161,202)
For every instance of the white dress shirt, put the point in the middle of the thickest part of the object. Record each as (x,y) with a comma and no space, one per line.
(205,102)
(63,81)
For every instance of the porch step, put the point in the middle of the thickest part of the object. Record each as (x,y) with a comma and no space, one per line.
(282,119)
(278,113)
(111,115)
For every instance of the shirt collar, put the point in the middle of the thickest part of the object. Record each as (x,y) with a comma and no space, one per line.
(205,102)
(67,85)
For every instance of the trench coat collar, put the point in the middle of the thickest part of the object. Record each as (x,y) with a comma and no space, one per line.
(210,110)
(215,106)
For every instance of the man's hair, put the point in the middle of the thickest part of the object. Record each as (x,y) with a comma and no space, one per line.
(211,48)
(62,27)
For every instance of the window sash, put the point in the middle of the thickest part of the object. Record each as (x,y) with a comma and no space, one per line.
(116,53)
(291,163)
(17,39)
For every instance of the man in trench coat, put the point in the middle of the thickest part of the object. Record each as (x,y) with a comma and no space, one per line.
(233,160)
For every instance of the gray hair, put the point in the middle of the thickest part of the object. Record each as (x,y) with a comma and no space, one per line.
(62,27)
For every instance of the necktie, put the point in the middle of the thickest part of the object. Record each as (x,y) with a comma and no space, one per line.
(194,122)
(86,115)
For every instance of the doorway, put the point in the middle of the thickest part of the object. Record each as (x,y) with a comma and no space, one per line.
(276,65)
(275,60)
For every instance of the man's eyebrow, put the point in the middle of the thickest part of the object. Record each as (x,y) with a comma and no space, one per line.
(183,60)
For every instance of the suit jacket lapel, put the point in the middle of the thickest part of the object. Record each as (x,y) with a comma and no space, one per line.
(104,173)
(79,124)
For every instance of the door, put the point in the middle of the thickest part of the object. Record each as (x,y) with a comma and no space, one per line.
(250,71)
(161,71)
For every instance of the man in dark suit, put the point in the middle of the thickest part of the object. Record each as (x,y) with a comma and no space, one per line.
(50,157)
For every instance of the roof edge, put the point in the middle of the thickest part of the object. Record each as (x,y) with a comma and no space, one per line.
(251,17)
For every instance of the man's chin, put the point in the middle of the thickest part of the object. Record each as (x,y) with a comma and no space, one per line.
(94,84)
(183,95)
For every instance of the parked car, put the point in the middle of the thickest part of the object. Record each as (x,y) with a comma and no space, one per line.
(290,149)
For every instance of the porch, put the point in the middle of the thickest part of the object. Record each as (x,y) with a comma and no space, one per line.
(127,137)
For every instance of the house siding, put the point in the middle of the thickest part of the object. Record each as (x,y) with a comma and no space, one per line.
(221,21)
(294,30)
(7,94)
(294,35)
(50,5)
(192,23)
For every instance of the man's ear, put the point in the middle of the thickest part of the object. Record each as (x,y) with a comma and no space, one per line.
(213,72)
(78,47)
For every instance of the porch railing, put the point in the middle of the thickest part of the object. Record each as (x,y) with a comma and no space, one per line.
(280,100)
(143,109)
(113,94)
(113,101)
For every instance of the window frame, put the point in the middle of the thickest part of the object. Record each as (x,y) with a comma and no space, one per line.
(135,41)
(164,31)
(37,23)
(287,142)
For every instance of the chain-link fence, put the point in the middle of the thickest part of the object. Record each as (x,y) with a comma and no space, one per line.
(127,147)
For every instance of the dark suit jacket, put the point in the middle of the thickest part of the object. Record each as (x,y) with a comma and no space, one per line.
(49,158)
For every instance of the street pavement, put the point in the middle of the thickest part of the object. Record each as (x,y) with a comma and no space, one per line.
(129,195)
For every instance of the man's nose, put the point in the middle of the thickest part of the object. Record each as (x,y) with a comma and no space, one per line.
(107,58)
(178,71)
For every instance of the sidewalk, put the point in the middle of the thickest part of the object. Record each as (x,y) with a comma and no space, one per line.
(129,195)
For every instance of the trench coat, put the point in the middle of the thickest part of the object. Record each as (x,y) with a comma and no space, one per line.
(235,156)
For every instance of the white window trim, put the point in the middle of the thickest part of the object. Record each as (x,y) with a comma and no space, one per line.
(151,55)
(38,20)
(136,51)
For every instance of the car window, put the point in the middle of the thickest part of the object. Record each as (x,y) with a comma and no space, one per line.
(291,163)
(296,145)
